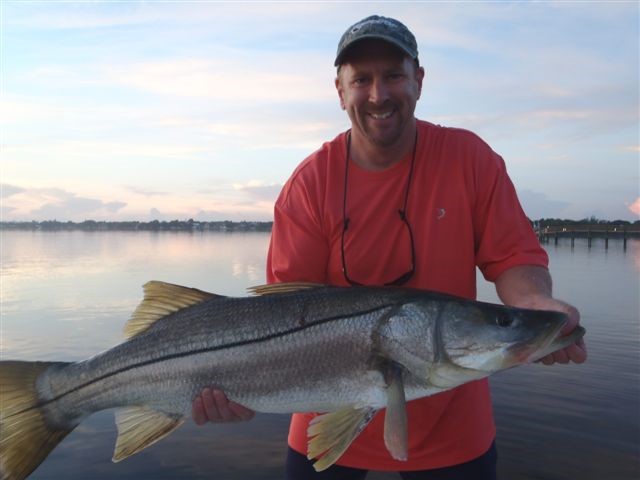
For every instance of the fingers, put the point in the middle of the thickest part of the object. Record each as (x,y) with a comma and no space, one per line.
(561,356)
(577,353)
(548,360)
(574,353)
(574,319)
(213,406)
(197,411)
(241,413)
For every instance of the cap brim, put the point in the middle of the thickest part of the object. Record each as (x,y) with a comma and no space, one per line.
(340,57)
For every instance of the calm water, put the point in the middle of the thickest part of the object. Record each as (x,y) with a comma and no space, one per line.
(66,296)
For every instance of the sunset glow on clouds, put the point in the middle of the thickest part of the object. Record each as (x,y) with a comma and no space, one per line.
(143,110)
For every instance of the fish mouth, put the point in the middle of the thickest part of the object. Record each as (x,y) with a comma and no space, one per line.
(530,351)
(558,343)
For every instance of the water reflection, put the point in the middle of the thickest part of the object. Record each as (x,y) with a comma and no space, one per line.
(634,251)
(67,295)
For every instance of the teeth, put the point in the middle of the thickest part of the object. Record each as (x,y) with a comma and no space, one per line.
(381,116)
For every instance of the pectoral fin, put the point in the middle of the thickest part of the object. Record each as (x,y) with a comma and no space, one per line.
(395,420)
(140,427)
(331,434)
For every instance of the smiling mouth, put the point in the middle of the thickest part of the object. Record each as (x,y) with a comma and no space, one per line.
(381,116)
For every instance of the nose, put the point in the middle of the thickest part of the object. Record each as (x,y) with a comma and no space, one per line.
(379,91)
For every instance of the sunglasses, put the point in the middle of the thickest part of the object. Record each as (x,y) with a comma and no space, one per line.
(404,278)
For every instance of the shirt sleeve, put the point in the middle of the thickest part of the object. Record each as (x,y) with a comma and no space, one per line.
(298,250)
(504,237)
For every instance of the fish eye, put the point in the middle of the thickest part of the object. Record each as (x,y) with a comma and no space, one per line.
(503,319)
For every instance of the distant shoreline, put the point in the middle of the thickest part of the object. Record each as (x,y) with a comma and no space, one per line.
(132,226)
(542,225)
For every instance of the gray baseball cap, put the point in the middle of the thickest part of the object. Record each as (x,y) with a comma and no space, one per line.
(381,28)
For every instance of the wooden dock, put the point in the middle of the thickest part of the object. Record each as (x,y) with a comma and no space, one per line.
(590,232)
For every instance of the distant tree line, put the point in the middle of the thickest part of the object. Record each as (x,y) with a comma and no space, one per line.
(559,222)
(246,226)
(153,226)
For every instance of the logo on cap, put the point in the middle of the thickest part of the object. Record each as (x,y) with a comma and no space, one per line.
(382,28)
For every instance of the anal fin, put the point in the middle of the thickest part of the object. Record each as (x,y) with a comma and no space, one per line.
(140,427)
(330,434)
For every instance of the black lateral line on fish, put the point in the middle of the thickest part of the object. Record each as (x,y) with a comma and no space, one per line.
(437,337)
(203,350)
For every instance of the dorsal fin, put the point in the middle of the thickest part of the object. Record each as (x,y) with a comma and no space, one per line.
(160,300)
(286,287)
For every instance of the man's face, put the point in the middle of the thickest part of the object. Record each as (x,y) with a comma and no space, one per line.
(379,88)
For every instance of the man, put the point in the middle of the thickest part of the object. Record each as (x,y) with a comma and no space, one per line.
(398,201)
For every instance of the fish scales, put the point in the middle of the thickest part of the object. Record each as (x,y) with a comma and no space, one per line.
(222,342)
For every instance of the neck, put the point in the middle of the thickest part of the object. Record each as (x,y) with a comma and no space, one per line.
(371,156)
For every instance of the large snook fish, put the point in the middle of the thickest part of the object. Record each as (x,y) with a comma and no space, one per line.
(348,352)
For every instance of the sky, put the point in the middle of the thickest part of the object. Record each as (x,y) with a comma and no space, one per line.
(127,110)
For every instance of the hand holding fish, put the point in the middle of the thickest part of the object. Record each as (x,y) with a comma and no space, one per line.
(528,286)
(576,353)
(213,406)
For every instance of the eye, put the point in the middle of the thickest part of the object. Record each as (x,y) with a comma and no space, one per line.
(503,319)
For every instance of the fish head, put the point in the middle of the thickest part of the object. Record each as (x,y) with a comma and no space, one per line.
(487,338)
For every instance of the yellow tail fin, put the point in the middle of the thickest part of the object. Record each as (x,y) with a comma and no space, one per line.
(25,437)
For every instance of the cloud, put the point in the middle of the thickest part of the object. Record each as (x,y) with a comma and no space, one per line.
(155,214)
(108,149)
(5,210)
(77,19)
(239,77)
(211,216)
(76,208)
(257,190)
(7,190)
(105,15)
(237,214)
(284,128)
(56,203)
(20,108)
(630,148)
(226,77)
(146,193)
(234,213)
(537,205)
(96,132)
(251,200)
(635,207)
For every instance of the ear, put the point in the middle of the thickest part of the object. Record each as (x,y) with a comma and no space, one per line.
(420,74)
(340,92)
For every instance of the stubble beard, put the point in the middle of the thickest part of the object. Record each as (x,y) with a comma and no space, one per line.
(382,138)
(386,138)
